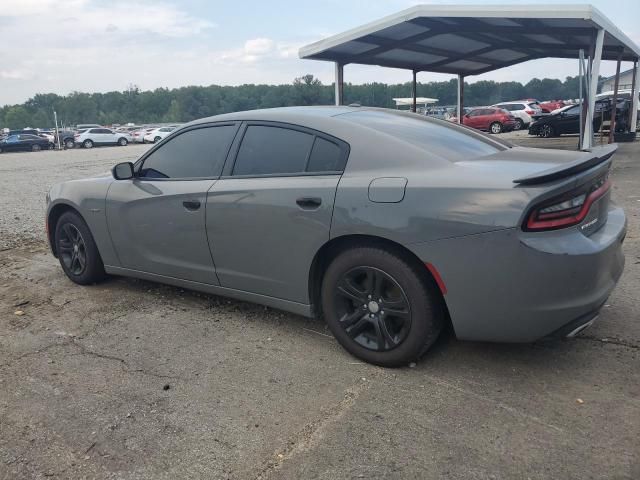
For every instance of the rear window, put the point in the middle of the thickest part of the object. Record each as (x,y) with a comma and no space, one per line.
(445,139)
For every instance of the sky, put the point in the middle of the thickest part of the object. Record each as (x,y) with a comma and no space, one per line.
(99,46)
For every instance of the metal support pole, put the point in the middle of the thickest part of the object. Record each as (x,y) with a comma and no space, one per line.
(414,87)
(55,119)
(635,88)
(614,106)
(581,94)
(587,141)
(339,87)
(460,105)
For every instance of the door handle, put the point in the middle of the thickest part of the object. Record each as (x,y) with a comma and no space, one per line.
(309,203)
(191,204)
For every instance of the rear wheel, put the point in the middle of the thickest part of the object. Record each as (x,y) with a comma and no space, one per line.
(122,142)
(519,124)
(495,127)
(36,148)
(156,140)
(379,307)
(69,143)
(77,251)
(87,144)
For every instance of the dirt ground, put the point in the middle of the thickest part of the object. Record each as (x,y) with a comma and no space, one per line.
(133,380)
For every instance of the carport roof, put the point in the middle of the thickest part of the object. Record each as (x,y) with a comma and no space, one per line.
(470,40)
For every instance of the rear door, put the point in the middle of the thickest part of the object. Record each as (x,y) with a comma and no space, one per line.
(157,219)
(271,211)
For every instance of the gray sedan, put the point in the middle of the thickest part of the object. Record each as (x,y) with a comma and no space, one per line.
(388,225)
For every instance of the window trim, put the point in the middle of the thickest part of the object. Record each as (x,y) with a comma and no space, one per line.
(345,149)
(137,166)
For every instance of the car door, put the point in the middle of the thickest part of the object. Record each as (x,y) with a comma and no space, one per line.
(109,136)
(568,121)
(471,119)
(271,210)
(157,219)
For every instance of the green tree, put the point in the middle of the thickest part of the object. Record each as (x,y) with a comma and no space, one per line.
(17,117)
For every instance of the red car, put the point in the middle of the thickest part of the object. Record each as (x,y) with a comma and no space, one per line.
(492,120)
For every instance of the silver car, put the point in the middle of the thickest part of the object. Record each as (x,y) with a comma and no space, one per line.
(389,225)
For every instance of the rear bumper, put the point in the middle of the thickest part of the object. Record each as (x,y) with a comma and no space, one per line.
(514,286)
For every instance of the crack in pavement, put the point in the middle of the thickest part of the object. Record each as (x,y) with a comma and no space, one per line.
(313,431)
(606,340)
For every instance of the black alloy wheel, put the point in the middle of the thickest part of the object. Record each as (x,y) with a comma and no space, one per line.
(72,249)
(546,131)
(381,306)
(372,308)
(77,250)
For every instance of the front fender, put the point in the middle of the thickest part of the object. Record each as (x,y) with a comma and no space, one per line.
(88,198)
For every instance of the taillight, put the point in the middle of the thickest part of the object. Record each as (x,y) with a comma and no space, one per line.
(529,112)
(566,210)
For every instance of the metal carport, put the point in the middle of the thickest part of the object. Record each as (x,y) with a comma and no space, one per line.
(471,40)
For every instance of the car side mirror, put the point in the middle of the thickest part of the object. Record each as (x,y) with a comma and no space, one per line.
(123,171)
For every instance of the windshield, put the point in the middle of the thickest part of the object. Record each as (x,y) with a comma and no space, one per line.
(442,138)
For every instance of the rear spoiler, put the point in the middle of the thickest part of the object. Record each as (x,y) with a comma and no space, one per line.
(598,155)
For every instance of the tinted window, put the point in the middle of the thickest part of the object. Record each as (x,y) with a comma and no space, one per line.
(475,113)
(573,110)
(326,156)
(437,137)
(272,150)
(193,154)
(95,130)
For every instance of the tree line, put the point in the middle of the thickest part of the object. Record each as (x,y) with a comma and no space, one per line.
(188,103)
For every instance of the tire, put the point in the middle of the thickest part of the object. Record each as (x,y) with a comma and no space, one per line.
(77,250)
(157,139)
(122,142)
(358,322)
(36,148)
(547,131)
(87,144)
(69,143)
(519,124)
(495,127)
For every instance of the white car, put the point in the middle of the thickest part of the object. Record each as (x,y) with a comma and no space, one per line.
(522,110)
(137,136)
(158,134)
(100,136)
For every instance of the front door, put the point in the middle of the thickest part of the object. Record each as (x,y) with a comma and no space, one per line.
(269,216)
(157,219)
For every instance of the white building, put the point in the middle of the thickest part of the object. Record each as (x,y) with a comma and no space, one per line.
(626,78)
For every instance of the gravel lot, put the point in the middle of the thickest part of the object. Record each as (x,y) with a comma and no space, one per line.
(134,380)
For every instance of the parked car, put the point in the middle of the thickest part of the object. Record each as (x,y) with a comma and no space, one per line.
(137,136)
(158,134)
(84,126)
(522,111)
(67,138)
(387,224)
(101,136)
(24,142)
(551,105)
(567,119)
(493,120)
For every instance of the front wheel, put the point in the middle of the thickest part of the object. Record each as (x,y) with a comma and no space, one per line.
(496,127)
(379,307)
(156,140)
(547,131)
(36,148)
(69,143)
(77,250)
